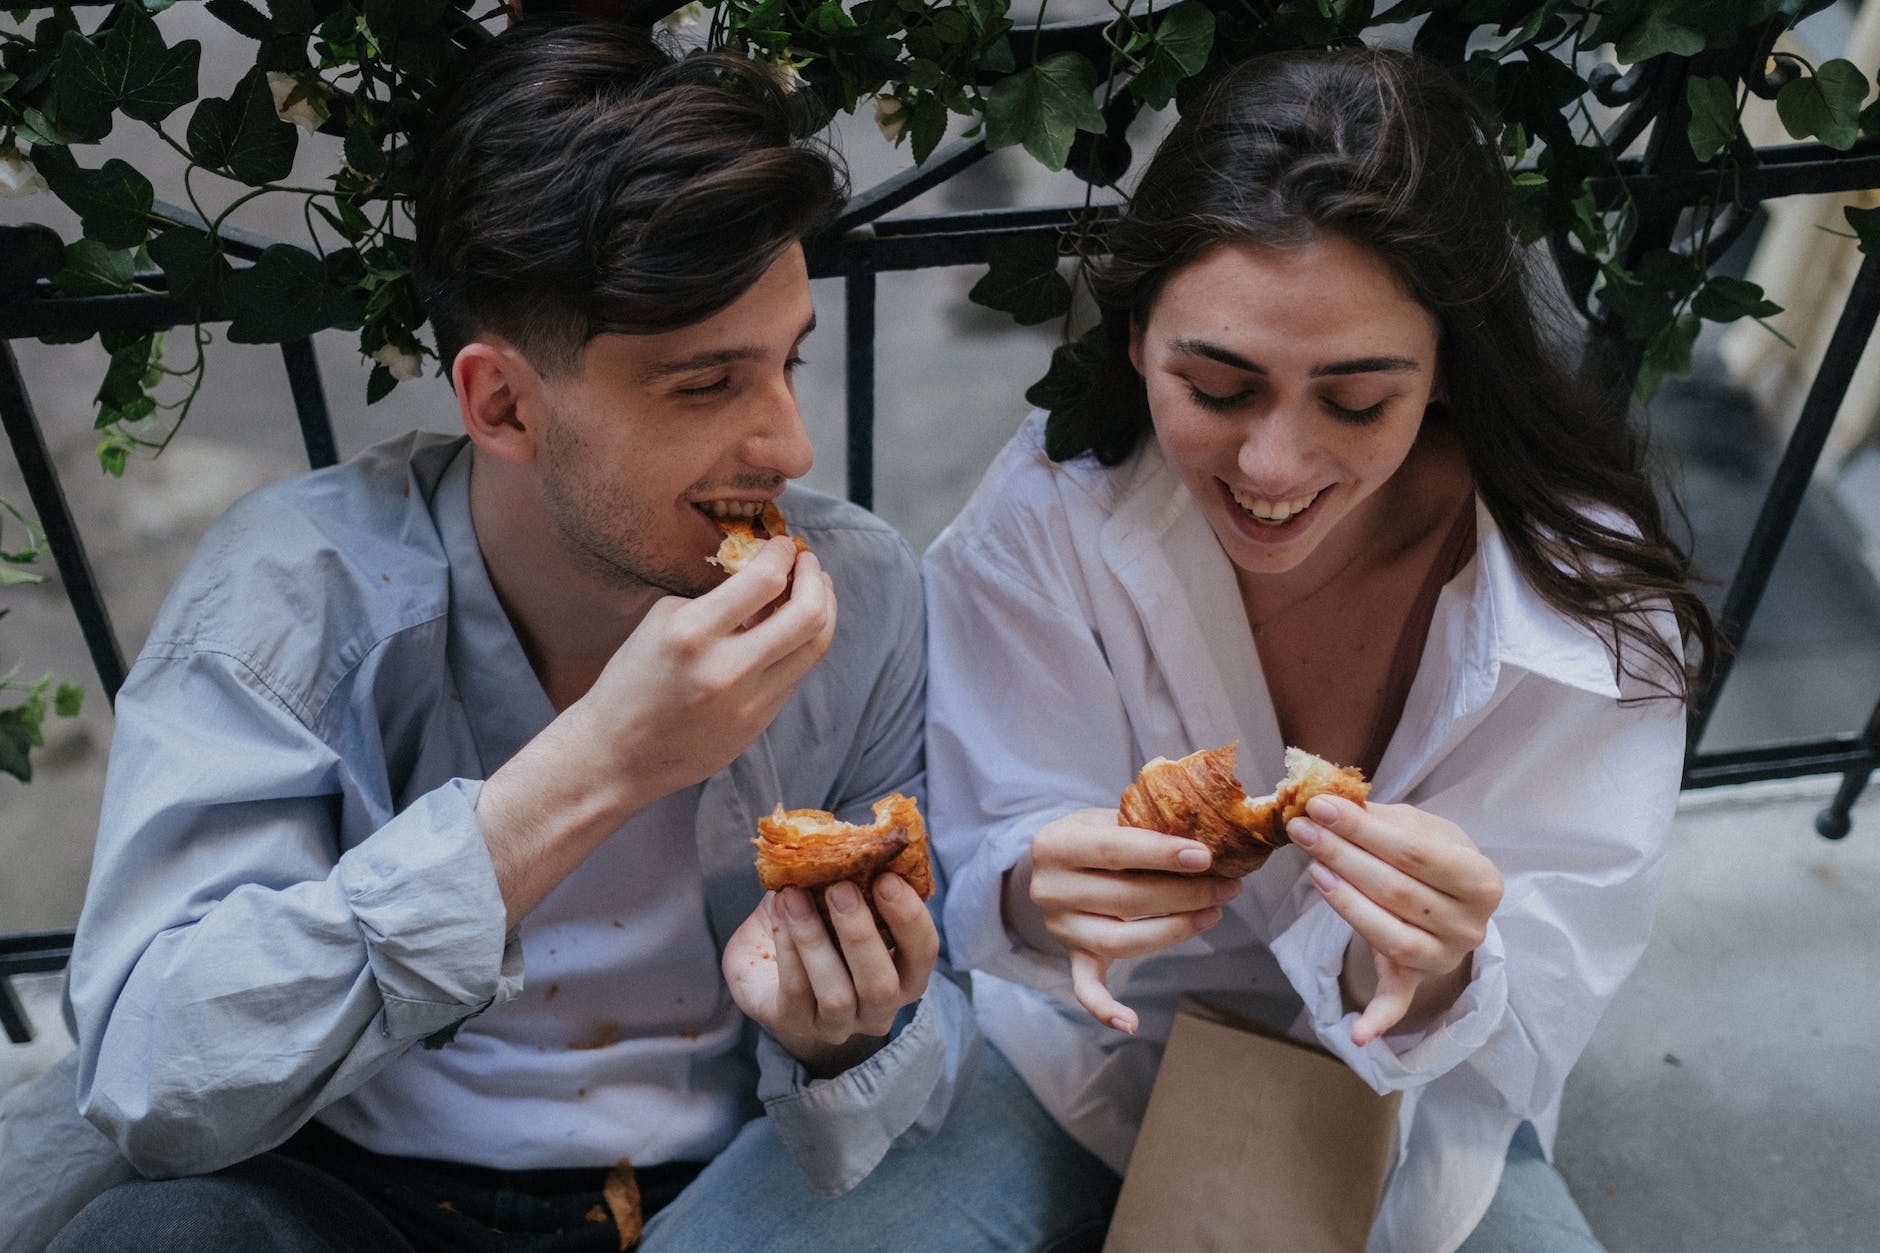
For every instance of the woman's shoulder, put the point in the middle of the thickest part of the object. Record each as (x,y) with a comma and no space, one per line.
(1024,492)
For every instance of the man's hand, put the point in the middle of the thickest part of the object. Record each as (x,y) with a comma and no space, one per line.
(688,691)
(1418,894)
(831,1000)
(1108,891)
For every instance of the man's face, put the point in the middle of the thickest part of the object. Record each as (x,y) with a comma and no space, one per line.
(652,437)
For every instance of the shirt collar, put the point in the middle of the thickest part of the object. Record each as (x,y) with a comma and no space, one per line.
(503,698)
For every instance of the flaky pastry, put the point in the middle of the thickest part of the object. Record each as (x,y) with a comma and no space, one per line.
(1199,798)
(812,848)
(745,538)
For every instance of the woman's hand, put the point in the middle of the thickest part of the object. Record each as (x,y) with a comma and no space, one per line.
(1417,892)
(830,1000)
(1108,891)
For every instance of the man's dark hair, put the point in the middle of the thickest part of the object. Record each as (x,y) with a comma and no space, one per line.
(582,181)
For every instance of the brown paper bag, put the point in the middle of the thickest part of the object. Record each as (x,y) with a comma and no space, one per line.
(1253,1142)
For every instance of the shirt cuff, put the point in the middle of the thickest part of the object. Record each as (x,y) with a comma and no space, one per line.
(838,1129)
(975,930)
(1312,953)
(424,896)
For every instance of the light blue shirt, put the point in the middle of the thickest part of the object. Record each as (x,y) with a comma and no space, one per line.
(291,890)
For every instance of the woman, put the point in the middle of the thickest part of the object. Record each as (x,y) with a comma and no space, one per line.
(1330,488)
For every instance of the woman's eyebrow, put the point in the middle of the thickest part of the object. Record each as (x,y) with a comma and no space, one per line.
(1358,365)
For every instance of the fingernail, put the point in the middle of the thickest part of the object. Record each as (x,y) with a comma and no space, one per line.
(1324,878)
(1123,1025)
(1303,832)
(1194,859)
(796,904)
(1324,808)
(1226,890)
(890,888)
(843,897)
(1206,918)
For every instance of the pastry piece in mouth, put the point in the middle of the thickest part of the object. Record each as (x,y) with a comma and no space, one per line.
(745,538)
(1199,798)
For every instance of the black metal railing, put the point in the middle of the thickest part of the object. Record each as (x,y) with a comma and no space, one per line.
(866,242)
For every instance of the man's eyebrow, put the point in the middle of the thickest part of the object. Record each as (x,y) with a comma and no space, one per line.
(1358,365)
(658,370)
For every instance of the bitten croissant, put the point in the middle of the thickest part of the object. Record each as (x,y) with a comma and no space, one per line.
(1199,798)
(745,538)
(811,848)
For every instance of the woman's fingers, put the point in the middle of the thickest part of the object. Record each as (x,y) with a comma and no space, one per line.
(1091,839)
(1115,938)
(1396,989)
(1088,972)
(1126,895)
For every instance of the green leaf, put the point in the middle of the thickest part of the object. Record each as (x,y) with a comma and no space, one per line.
(364,148)
(1866,224)
(926,126)
(241,17)
(1660,28)
(123,384)
(18,737)
(1825,104)
(379,384)
(1066,391)
(1725,299)
(1043,107)
(68,699)
(114,452)
(190,260)
(1713,115)
(132,71)
(242,134)
(285,295)
(1668,353)
(112,203)
(1183,40)
(92,269)
(1023,280)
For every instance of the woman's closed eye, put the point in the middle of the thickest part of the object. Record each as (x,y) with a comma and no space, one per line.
(1356,415)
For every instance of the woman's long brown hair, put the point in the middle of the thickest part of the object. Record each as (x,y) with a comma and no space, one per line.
(1385,150)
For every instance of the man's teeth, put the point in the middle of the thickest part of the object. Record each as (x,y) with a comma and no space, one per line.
(1273,511)
(728,510)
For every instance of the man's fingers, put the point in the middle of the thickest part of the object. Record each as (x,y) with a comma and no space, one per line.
(732,602)
(1088,972)
(792,980)
(822,961)
(871,969)
(916,939)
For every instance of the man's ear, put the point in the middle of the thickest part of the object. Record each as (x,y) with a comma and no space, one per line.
(500,398)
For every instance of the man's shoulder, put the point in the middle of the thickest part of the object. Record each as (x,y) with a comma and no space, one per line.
(327,561)
(842,533)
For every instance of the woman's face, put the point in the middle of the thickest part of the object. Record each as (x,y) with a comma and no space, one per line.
(1287,386)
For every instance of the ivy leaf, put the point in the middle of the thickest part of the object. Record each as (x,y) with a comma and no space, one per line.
(242,134)
(194,266)
(123,385)
(241,17)
(1866,224)
(285,295)
(1023,280)
(67,699)
(1725,299)
(1668,353)
(379,384)
(1713,115)
(112,203)
(18,737)
(92,269)
(927,126)
(131,71)
(1065,390)
(1043,107)
(1183,40)
(1661,28)
(1825,104)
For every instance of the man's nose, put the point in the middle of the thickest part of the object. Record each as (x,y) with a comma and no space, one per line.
(778,442)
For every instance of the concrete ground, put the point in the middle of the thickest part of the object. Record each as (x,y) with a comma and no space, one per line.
(1722,1105)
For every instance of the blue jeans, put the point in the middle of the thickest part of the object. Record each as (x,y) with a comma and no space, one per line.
(999,1175)
(1532,1211)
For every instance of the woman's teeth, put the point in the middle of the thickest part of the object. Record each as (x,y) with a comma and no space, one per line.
(730,510)
(1273,512)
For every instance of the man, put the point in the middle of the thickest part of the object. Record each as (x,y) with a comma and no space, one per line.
(462,709)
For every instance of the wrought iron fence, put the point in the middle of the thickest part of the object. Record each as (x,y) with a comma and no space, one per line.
(1661,180)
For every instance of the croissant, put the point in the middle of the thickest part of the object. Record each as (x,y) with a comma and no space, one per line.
(811,848)
(1198,797)
(745,538)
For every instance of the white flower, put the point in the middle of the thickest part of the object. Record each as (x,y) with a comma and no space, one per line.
(683,18)
(307,112)
(17,175)
(404,364)
(891,117)
(785,72)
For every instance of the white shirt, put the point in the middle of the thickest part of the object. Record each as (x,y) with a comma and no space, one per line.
(1082,620)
